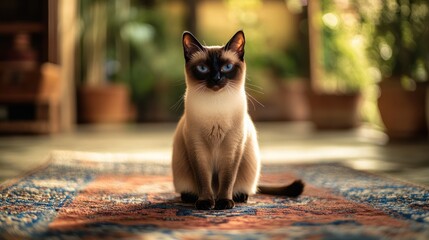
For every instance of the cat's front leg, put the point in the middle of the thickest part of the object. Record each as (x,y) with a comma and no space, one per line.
(205,193)
(203,176)
(227,177)
(224,199)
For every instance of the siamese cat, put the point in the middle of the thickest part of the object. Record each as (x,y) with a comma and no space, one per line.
(216,159)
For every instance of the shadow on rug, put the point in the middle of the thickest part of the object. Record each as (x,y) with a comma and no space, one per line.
(91,196)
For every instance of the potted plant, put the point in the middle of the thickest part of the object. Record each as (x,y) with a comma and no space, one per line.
(155,74)
(398,34)
(100,99)
(337,98)
(285,72)
(291,69)
(289,75)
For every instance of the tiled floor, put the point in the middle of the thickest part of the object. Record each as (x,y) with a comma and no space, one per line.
(363,148)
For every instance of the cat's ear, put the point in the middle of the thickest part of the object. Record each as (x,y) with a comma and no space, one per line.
(190,45)
(236,44)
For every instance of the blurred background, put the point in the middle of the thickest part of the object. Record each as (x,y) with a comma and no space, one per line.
(336,64)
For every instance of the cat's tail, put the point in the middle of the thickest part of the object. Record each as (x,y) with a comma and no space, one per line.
(292,190)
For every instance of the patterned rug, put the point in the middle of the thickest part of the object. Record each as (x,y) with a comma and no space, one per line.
(111,196)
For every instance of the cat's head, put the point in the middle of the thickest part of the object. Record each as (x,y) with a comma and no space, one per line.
(214,67)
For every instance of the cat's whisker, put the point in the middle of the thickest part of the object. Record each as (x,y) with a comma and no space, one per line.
(238,87)
(254,99)
(178,104)
(248,78)
(175,108)
(227,87)
(200,89)
(254,85)
(231,85)
(179,83)
(254,90)
(253,104)
(231,88)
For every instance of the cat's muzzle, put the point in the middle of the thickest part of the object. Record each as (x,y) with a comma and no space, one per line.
(216,83)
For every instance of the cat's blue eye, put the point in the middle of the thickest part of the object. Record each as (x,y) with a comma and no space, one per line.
(227,67)
(202,68)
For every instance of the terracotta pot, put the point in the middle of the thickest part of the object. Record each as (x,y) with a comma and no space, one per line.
(293,96)
(287,101)
(402,111)
(335,111)
(103,104)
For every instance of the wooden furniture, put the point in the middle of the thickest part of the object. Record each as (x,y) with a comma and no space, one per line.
(30,93)
(32,106)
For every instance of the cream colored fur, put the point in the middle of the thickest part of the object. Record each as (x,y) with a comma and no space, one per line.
(215,149)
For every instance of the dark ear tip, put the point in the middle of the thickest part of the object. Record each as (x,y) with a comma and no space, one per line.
(240,32)
(185,34)
(188,34)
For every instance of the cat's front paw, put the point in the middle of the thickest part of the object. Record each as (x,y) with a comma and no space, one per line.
(222,204)
(241,197)
(206,204)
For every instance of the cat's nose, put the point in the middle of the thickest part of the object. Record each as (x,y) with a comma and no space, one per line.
(217,78)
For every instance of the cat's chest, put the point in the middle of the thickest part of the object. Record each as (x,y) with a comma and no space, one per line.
(215,114)
(215,108)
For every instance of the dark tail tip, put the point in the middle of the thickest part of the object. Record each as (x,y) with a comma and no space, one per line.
(294,189)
